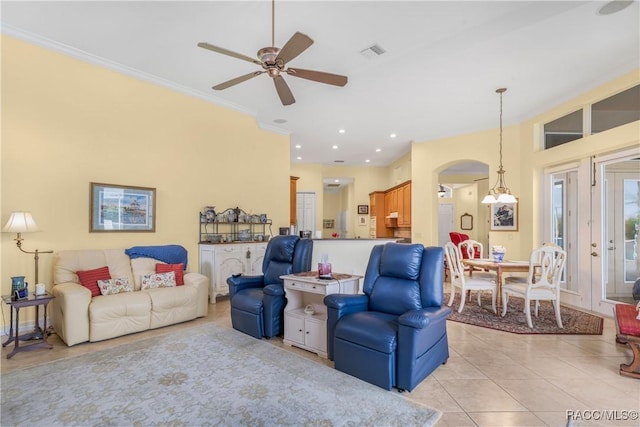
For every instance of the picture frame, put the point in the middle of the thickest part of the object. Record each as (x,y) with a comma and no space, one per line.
(327,223)
(503,217)
(362,220)
(121,208)
(363,209)
(466,221)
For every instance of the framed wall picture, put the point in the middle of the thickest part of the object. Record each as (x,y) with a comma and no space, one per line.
(466,221)
(504,216)
(362,220)
(122,208)
(363,209)
(327,223)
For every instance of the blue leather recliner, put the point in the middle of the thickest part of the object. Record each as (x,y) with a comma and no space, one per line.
(395,334)
(257,302)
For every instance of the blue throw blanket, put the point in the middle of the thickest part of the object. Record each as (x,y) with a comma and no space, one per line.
(171,254)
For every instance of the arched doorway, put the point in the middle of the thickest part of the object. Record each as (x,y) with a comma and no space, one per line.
(465,183)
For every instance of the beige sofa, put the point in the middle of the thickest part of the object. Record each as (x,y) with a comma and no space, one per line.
(77,317)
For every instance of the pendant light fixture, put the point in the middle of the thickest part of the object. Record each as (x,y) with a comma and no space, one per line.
(441,191)
(500,193)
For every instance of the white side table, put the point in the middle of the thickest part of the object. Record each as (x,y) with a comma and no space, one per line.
(309,331)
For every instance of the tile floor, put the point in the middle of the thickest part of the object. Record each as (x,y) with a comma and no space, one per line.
(491,379)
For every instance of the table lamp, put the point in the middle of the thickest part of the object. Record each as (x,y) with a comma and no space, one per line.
(23,222)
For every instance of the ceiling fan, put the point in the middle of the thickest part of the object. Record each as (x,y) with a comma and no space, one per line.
(274,60)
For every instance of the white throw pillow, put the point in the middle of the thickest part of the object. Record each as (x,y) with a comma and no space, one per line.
(114,286)
(159,280)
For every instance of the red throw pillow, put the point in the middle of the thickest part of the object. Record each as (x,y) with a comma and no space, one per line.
(89,279)
(177,268)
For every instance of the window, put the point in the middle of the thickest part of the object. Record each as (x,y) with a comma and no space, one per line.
(617,110)
(611,112)
(563,130)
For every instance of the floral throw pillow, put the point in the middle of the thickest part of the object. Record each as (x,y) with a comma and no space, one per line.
(159,280)
(114,286)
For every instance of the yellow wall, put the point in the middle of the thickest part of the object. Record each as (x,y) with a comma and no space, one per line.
(66,123)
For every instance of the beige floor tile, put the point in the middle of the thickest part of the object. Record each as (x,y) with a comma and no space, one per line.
(455,419)
(497,369)
(506,419)
(597,394)
(559,419)
(553,367)
(458,369)
(540,395)
(430,392)
(481,395)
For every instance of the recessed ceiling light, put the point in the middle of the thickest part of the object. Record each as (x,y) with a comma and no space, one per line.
(299,158)
(280,121)
(367,161)
(335,147)
(378,150)
(393,135)
(341,131)
(337,180)
(298,146)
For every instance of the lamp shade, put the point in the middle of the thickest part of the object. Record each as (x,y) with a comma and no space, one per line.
(20,222)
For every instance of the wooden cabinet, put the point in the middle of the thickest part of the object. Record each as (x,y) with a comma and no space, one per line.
(404,205)
(377,226)
(220,261)
(293,206)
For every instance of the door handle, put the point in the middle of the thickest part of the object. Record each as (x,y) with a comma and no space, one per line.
(612,248)
(594,254)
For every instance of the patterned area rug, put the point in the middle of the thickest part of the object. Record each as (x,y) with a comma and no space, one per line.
(574,322)
(206,375)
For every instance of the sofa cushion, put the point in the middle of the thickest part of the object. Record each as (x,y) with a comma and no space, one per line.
(121,314)
(68,263)
(177,268)
(172,305)
(89,279)
(114,286)
(159,280)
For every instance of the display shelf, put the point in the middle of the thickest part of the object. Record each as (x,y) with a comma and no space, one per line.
(233,225)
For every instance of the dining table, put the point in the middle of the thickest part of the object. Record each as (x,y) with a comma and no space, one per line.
(505,266)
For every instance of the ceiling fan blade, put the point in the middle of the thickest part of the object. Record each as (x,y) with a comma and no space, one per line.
(318,76)
(283,91)
(237,80)
(228,52)
(297,44)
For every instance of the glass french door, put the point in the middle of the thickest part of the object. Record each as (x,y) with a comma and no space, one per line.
(616,216)
(600,233)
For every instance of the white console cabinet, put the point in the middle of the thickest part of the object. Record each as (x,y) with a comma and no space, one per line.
(222,260)
(309,331)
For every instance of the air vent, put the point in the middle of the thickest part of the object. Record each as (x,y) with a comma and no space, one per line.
(338,161)
(333,185)
(372,51)
(614,7)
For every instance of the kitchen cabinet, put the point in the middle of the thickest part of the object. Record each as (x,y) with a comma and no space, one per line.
(305,329)
(220,261)
(293,206)
(377,227)
(404,205)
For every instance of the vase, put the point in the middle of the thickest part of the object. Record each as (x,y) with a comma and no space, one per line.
(498,256)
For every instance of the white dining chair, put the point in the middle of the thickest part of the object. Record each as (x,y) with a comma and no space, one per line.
(471,249)
(486,282)
(546,265)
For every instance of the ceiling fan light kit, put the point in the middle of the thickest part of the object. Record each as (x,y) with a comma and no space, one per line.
(500,193)
(273,60)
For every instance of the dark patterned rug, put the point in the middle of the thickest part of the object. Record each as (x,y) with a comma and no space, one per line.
(575,322)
